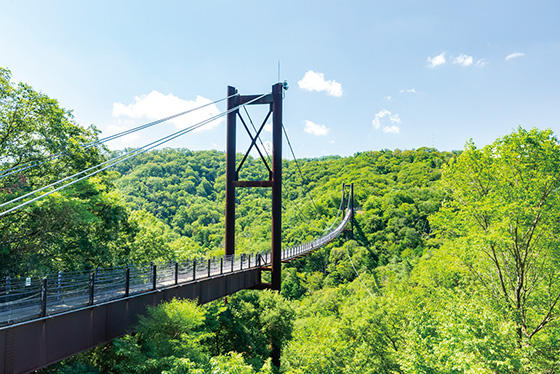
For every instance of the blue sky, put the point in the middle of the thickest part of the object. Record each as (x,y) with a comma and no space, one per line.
(363,75)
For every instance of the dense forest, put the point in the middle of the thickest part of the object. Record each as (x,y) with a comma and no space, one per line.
(454,265)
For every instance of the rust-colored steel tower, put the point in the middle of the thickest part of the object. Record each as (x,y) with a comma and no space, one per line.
(274,100)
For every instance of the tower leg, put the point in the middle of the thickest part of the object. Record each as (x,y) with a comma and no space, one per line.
(230,173)
(276,186)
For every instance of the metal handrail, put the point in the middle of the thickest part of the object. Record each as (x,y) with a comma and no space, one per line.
(27,298)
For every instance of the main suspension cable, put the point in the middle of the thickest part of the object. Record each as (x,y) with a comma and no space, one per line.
(32,164)
(299,170)
(356,271)
(112,162)
(337,213)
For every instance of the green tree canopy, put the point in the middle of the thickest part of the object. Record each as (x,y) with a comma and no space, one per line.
(501,220)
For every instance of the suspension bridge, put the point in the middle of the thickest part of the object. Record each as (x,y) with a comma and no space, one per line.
(43,321)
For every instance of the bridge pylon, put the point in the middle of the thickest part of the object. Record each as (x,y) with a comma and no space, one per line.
(274,100)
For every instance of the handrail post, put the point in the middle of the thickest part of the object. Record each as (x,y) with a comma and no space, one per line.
(8,288)
(59,285)
(209,267)
(176,272)
(154,276)
(44,297)
(221,265)
(127,281)
(91,288)
(194,270)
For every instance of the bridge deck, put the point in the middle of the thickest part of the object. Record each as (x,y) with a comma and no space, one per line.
(44,327)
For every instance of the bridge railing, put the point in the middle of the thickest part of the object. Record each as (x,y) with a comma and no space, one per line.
(23,299)
(26,298)
(304,248)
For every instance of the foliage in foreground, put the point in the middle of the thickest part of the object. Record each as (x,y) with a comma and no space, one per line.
(182,337)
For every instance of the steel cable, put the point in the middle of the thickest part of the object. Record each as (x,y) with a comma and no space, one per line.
(112,162)
(29,165)
(300,172)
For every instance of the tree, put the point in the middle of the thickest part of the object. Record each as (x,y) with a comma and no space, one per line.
(501,220)
(250,323)
(291,284)
(78,227)
(233,363)
(33,127)
(169,339)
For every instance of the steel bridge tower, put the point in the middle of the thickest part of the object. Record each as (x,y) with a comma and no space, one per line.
(274,100)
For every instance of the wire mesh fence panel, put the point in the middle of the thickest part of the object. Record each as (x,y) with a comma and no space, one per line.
(214,267)
(67,291)
(18,292)
(165,274)
(229,262)
(140,278)
(20,299)
(109,284)
(184,272)
(201,268)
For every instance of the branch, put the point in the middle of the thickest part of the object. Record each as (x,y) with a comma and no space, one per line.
(548,318)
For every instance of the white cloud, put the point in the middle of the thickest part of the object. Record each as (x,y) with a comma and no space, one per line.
(377,120)
(331,141)
(391,129)
(514,55)
(393,119)
(315,129)
(388,98)
(268,127)
(481,63)
(313,81)
(463,60)
(437,60)
(156,105)
(410,90)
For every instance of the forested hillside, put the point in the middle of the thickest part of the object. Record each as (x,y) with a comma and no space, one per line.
(186,190)
(395,192)
(454,266)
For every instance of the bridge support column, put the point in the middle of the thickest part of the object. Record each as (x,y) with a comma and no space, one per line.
(352,207)
(343,198)
(277,187)
(231,175)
